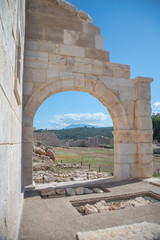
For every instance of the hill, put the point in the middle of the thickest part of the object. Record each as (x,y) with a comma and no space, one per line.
(80,126)
(80,133)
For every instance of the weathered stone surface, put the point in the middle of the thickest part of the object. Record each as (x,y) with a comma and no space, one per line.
(70,191)
(39,151)
(69,37)
(90,209)
(98,190)
(50,154)
(67,6)
(81,209)
(88,191)
(47,191)
(83,15)
(61,191)
(99,42)
(141,231)
(79,190)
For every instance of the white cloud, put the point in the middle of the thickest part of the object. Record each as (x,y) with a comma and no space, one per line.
(37,121)
(156,106)
(64,120)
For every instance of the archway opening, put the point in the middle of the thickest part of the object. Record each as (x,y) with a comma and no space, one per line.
(78,129)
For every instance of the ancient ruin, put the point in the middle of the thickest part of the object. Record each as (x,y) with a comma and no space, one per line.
(64,56)
(70,56)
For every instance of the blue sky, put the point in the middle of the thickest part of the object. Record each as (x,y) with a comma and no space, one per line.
(131,31)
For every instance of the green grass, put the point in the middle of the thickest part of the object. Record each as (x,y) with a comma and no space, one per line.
(96,157)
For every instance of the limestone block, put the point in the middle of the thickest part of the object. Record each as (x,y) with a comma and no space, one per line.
(117,110)
(34,75)
(111,83)
(108,99)
(27,150)
(85,26)
(83,15)
(99,42)
(121,171)
(27,88)
(36,55)
(27,134)
(131,121)
(145,170)
(43,46)
(55,86)
(67,50)
(126,82)
(97,67)
(119,122)
(125,158)
(143,90)
(129,107)
(27,119)
(127,93)
(107,70)
(97,54)
(70,64)
(126,136)
(144,136)
(67,6)
(57,63)
(83,65)
(143,122)
(145,148)
(142,108)
(120,70)
(66,75)
(125,148)
(52,74)
(89,85)
(5,118)
(79,82)
(133,170)
(33,105)
(68,84)
(85,40)
(142,79)
(69,37)
(43,93)
(143,159)
(99,89)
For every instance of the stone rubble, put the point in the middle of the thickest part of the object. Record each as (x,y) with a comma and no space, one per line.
(102,205)
(46,169)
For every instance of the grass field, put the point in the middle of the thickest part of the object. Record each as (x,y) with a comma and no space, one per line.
(96,157)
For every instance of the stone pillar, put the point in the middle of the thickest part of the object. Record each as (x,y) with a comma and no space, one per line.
(125,154)
(143,124)
(27,148)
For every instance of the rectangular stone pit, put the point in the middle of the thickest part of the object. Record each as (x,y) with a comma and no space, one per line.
(118,202)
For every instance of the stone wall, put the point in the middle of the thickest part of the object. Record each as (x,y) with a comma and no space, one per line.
(12,21)
(91,142)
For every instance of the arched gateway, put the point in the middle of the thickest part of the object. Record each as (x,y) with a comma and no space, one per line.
(64,52)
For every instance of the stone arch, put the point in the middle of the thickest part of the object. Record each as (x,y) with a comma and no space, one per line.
(70,56)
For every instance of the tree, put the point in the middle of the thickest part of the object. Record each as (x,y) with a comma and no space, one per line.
(156,126)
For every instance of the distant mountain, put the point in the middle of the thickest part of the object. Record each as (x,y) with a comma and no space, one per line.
(80,126)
